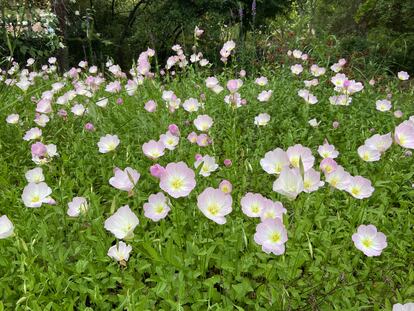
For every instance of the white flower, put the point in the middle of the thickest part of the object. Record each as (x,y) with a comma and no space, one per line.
(262,119)
(120,252)
(35,175)
(209,165)
(34,195)
(122,223)
(6,227)
(108,143)
(77,206)
(13,118)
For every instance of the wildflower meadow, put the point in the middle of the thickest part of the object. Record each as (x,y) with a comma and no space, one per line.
(193,185)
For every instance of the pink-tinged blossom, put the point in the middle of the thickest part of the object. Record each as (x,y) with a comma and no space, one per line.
(296,69)
(203,122)
(264,96)
(317,71)
(157,170)
(379,142)
(34,195)
(226,50)
(209,165)
(262,119)
(6,227)
(120,252)
(272,210)
(157,207)
(403,75)
(289,183)
(38,149)
(124,180)
(13,118)
(328,151)
(153,149)
(299,153)
(360,187)
(192,137)
(211,82)
(122,223)
(310,83)
(312,181)
(203,140)
(297,54)
(314,122)
(41,120)
(108,143)
(398,113)
(113,87)
(403,307)
(271,234)
(169,140)
(33,134)
(234,85)
(308,97)
(150,106)
(77,206)
(78,110)
(178,180)
(227,162)
(252,204)
(404,134)
(44,106)
(383,105)
(369,240)
(262,81)
(368,154)
(339,178)
(226,186)
(89,127)
(328,165)
(51,151)
(215,204)
(191,105)
(341,100)
(274,161)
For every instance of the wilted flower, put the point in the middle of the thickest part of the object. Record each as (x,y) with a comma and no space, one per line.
(215,204)
(368,240)
(122,223)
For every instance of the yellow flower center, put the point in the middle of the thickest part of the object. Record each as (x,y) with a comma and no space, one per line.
(275,237)
(255,208)
(36,199)
(177,183)
(356,190)
(213,209)
(295,161)
(307,184)
(367,242)
(159,209)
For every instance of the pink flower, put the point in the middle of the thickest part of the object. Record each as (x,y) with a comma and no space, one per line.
(262,81)
(157,207)
(173,129)
(380,143)
(299,153)
(335,124)
(226,186)
(227,162)
(403,75)
(368,154)
(178,180)
(120,252)
(296,69)
(360,187)
(157,170)
(32,134)
(383,105)
(77,206)
(328,151)
(328,165)
(403,307)
(203,122)
(124,179)
(89,127)
(215,204)
(192,137)
(404,134)
(312,181)
(39,149)
(150,106)
(339,178)
(271,234)
(272,210)
(368,240)
(398,113)
(234,85)
(108,143)
(274,161)
(264,96)
(203,140)
(153,149)
(252,204)
(289,183)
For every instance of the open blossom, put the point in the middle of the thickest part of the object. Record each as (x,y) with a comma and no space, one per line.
(122,223)
(264,96)
(328,165)
(317,71)
(299,153)
(289,183)
(38,149)
(51,151)
(12,118)
(271,234)
(403,307)
(383,105)
(403,75)
(150,106)
(369,240)
(211,82)
(169,140)
(102,102)
(309,83)
(296,69)
(6,227)
(34,195)
(308,97)
(113,87)
(328,151)
(178,180)
(234,85)
(192,137)
(108,143)
(77,206)
(120,252)
(78,110)
(272,210)
(262,119)
(274,161)
(153,149)
(404,134)
(339,178)
(209,165)
(297,54)
(227,48)
(312,181)
(368,154)
(33,134)
(124,179)
(341,100)
(203,122)
(252,204)
(157,207)
(41,120)
(262,81)
(35,175)
(379,142)
(314,122)
(215,204)
(226,186)
(191,105)
(203,140)
(360,187)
